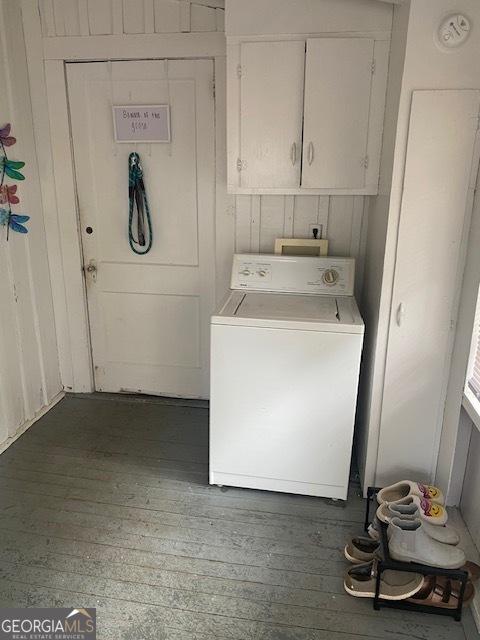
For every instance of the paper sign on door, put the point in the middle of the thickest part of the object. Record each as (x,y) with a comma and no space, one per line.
(142,123)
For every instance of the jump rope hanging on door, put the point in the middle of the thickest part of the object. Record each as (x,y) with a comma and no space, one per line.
(140,234)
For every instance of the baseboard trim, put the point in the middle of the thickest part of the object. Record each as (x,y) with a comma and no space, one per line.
(26,425)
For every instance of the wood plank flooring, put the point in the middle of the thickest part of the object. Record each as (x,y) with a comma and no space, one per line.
(105,503)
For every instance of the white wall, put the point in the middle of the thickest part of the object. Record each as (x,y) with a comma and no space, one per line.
(426,67)
(369,404)
(261,17)
(112,29)
(29,371)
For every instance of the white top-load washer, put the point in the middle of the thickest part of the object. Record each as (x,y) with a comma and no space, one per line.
(285,360)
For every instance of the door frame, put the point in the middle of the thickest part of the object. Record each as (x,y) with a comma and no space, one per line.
(48,86)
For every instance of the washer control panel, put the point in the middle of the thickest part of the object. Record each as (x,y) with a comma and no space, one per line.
(293,274)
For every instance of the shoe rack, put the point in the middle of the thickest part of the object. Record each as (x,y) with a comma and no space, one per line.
(386,562)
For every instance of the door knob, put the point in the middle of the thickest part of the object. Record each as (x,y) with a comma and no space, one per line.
(92,269)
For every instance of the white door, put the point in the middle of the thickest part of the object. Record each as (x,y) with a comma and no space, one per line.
(149,315)
(271,108)
(338,78)
(429,264)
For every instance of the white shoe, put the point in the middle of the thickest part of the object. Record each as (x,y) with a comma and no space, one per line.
(431,512)
(406,488)
(409,542)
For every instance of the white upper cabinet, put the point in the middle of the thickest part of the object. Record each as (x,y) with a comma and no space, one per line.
(305,115)
(338,80)
(271,107)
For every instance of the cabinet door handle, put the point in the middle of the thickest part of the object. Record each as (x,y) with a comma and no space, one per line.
(400,314)
(293,153)
(310,152)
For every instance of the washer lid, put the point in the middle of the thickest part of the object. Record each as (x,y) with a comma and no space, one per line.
(290,311)
(288,307)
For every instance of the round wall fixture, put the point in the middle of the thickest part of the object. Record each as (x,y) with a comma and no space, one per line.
(453,30)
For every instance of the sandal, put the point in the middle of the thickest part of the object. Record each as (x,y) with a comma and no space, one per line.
(441,592)
(472,569)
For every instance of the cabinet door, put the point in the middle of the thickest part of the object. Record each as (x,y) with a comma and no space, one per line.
(271,109)
(435,211)
(338,80)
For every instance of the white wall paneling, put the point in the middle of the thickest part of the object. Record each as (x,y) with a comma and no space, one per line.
(342,219)
(29,371)
(263,17)
(107,17)
(243,223)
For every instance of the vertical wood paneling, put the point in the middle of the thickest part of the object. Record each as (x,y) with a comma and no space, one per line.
(100,17)
(167,16)
(243,223)
(225,203)
(272,221)
(185,15)
(305,214)
(220,19)
(117,16)
(289,216)
(133,16)
(202,18)
(149,15)
(322,215)
(255,221)
(47,17)
(340,225)
(83,17)
(29,374)
(67,18)
(261,219)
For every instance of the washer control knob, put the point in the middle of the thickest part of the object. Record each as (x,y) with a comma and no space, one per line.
(245,272)
(262,273)
(330,277)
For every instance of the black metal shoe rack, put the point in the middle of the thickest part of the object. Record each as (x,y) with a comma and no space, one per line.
(386,562)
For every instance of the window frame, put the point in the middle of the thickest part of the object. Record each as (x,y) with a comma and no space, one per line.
(470,402)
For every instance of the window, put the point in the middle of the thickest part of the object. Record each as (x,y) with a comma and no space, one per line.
(472,382)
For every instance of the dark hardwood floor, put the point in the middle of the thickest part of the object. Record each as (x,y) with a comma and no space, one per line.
(105,502)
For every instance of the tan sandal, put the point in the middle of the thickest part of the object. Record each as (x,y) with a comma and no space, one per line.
(441,592)
(473,570)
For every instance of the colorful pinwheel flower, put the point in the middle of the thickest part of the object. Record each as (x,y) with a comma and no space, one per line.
(7,194)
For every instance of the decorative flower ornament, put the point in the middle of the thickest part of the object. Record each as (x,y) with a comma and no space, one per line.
(10,168)
(13,220)
(7,194)
(5,138)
